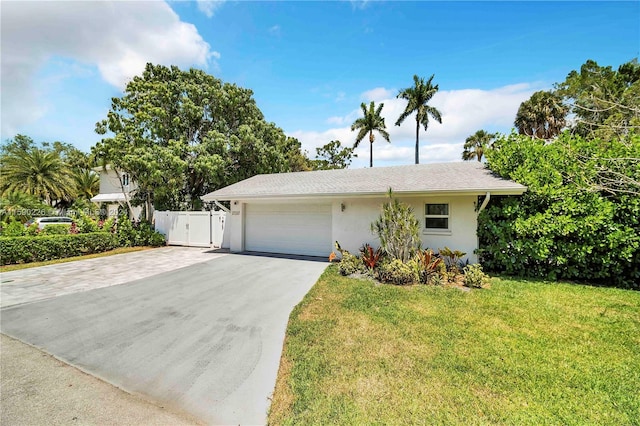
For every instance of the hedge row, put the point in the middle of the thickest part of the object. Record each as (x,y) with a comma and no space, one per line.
(30,249)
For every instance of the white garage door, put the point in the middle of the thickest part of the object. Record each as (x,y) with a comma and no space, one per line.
(288,228)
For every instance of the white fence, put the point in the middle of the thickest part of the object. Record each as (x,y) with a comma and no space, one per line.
(194,229)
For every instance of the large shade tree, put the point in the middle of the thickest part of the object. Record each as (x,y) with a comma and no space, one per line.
(542,116)
(181,134)
(418,97)
(371,121)
(477,144)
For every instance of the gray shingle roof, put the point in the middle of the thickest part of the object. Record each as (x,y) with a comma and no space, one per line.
(466,177)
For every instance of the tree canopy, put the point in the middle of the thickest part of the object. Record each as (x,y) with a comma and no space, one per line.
(371,121)
(181,134)
(333,156)
(476,145)
(418,97)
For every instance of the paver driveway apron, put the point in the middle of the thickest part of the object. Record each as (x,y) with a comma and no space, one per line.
(206,338)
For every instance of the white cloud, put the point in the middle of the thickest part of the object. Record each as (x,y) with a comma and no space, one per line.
(378,94)
(209,7)
(463,112)
(118,38)
(275,30)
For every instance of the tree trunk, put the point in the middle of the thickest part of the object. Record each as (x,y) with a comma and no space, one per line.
(370,149)
(417,141)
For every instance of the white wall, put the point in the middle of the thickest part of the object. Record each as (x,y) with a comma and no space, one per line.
(352,227)
(110,184)
(235,222)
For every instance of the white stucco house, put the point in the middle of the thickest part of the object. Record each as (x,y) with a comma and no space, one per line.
(306,212)
(115,187)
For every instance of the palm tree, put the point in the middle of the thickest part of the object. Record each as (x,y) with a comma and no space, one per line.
(370,121)
(36,172)
(418,98)
(542,116)
(87,183)
(476,145)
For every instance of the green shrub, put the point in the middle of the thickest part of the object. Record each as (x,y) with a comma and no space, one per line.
(32,230)
(57,229)
(85,224)
(396,272)
(47,247)
(566,226)
(350,264)
(398,230)
(474,277)
(140,234)
(12,228)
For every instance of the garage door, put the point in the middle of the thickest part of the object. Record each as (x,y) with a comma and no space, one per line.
(288,228)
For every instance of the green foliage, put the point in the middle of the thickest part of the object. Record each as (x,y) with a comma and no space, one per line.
(29,249)
(139,234)
(604,101)
(333,156)
(181,134)
(477,144)
(573,222)
(22,206)
(396,272)
(475,277)
(451,258)
(56,229)
(85,224)
(398,230)
(542,116)
(371,121)
(418,97)
(32,230)
(12,228)
(350,264)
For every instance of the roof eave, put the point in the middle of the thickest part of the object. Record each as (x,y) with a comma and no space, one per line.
(444,192)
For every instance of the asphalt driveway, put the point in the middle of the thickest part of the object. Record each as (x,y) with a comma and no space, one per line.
(205,338)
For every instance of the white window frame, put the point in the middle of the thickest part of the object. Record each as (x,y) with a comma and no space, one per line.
(447,216)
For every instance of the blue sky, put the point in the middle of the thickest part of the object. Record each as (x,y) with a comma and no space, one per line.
(310,64)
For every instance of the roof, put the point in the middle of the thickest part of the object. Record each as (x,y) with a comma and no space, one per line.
(461,177)
(109,198)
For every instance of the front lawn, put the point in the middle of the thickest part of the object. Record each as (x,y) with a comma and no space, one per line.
(521,352)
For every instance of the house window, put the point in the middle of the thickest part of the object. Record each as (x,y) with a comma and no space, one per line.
(125,179)
(436,216)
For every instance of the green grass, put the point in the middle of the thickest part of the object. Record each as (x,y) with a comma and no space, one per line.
(8,268)
(519,353)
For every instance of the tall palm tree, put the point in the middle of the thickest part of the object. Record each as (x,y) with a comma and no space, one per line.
(542,116)
(36,172)
(418,98)
(476,145)
(370,121)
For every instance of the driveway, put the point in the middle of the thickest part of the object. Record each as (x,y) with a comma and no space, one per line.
(205,339)
(47,282)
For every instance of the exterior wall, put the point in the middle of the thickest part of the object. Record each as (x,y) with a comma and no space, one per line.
(352,227)
(235,222)
(110,184)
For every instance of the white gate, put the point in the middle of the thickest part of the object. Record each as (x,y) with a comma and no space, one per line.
(194,229)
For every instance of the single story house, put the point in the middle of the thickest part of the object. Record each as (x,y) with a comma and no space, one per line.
(306,212)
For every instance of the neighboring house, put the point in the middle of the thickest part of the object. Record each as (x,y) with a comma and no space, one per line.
(115,187)
(306,212)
